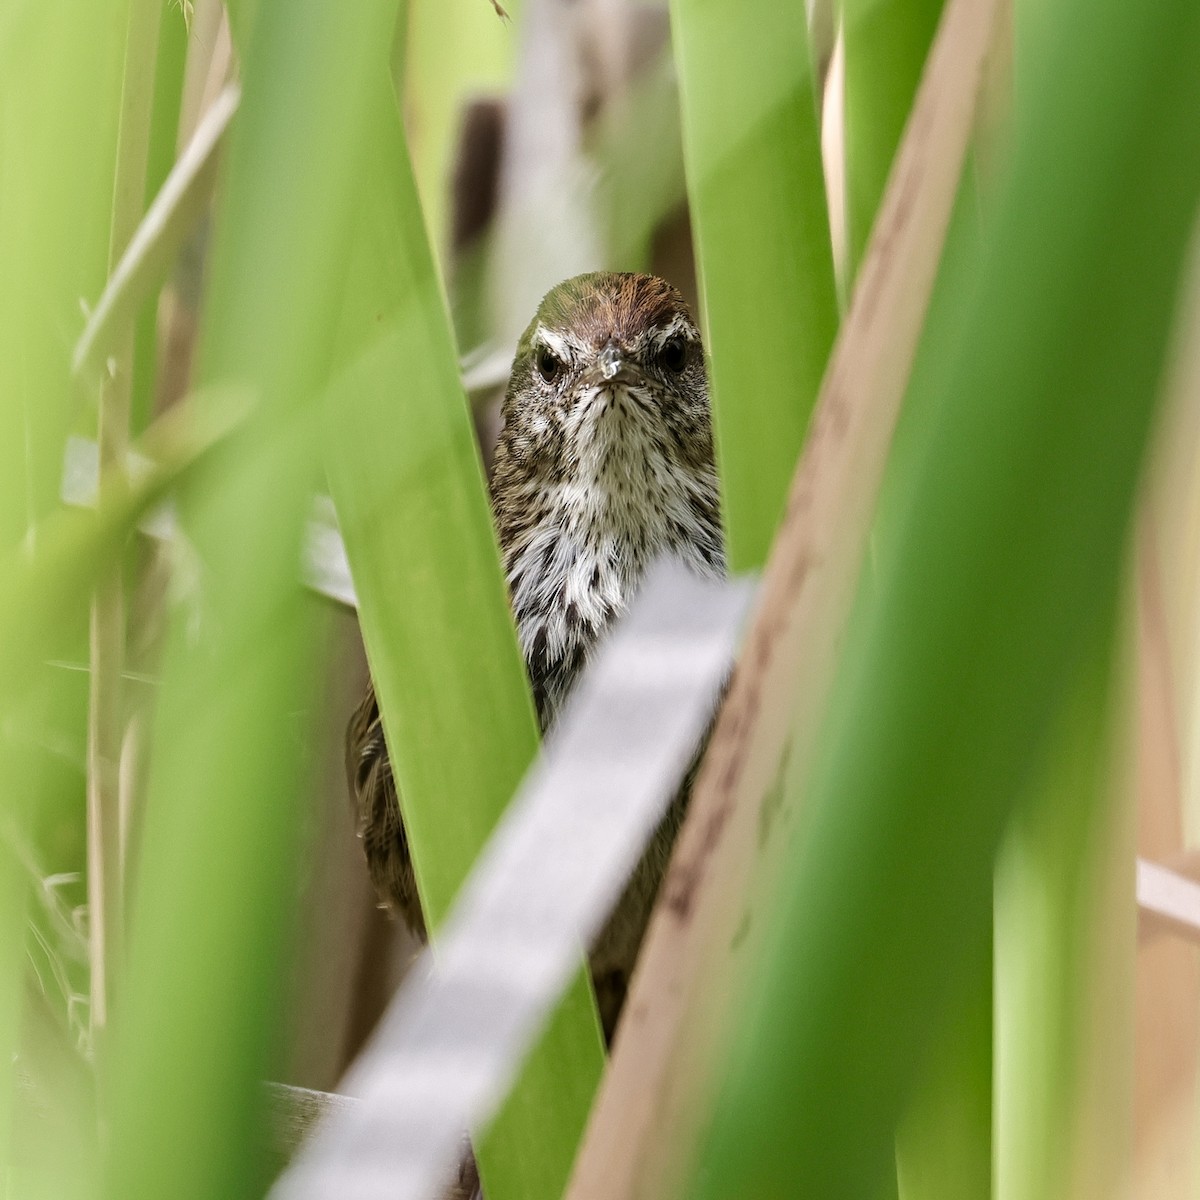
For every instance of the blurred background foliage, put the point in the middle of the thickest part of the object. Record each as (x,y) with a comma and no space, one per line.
(264,253)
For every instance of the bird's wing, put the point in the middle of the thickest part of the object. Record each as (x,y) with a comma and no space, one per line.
(377,812)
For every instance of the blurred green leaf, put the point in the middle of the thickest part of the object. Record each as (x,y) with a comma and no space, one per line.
(197,1025)
(455,53)
(1051,920)
(59,88)
(944,1142)
(47,589)
(59,91)
(1005,564)
(639,153)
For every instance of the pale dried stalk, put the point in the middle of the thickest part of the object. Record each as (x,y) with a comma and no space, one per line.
(1167,986)
(105,876)
(152,247)
(652,1098)
(105,717)
(833,161)
(1167,976)
(207,59)
(1160,811)
(1172,516)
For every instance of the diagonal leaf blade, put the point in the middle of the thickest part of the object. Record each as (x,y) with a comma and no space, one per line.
(405,476)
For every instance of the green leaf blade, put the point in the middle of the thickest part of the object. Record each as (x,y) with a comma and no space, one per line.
(407,482)
(761,229)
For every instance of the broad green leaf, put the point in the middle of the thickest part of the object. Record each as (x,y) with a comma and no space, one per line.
(944,1141)
(59,96)
(761,231)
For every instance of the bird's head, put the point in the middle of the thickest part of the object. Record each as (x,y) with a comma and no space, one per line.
(611,364)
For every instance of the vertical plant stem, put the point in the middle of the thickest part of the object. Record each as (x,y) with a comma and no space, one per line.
(170,65)
(204,29)
(1065,925)
(105,889)
(944,1142)
(59,89)
(105,715)
(145,620)
(454,52)
(14,898)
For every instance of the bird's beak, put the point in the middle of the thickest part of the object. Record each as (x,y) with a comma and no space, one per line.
(611,366)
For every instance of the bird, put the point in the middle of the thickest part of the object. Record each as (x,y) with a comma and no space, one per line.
(605,462)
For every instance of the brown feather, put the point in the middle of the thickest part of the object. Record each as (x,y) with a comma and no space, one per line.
(377,811)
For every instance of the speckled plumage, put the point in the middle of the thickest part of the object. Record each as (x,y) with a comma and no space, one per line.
(605,462)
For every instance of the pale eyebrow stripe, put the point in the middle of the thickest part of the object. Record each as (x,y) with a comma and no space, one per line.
(678,324)
(551,340)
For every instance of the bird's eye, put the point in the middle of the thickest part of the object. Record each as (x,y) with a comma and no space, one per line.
(549,365)
(673,354)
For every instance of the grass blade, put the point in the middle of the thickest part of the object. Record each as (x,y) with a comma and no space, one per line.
(944,1142)
(171,217)
(1064,1000)
(59,92)
(59,97)
(454,52)
(886,42)
(761,227)
(170,63)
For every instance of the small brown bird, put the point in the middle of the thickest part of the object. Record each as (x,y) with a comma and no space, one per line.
(605,462)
